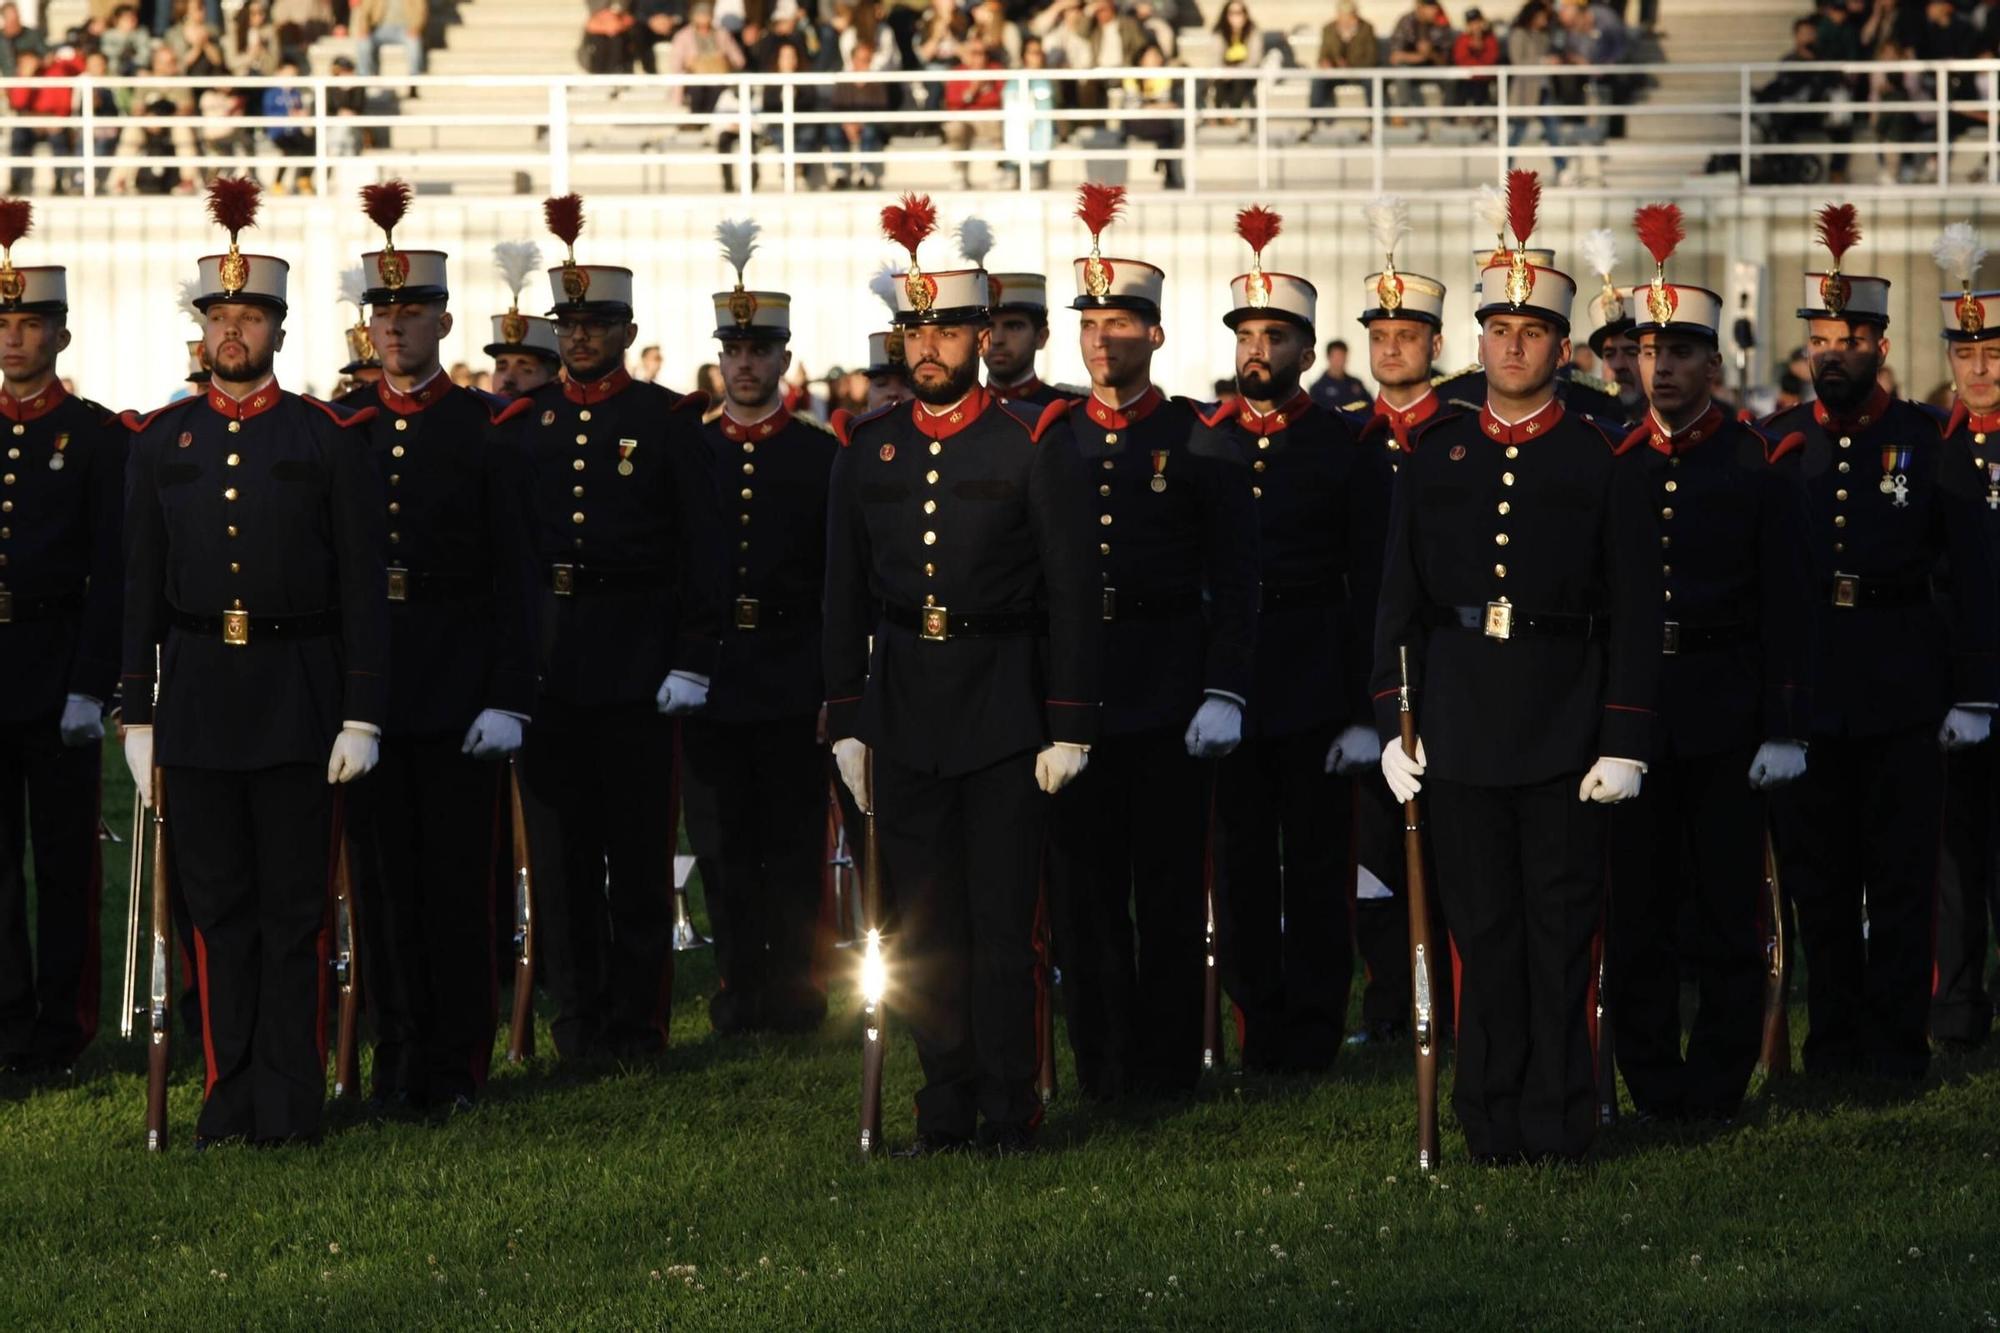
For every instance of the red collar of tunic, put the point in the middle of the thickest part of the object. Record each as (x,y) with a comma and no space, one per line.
(427,394)
(27,409)
(1270,423)
(588,393)
(1705,427)
(1118,418)
(1964,418)
(1403,420)
(1020,388)
(1869,413)
(943,425)
(1533,427)
(257,402)
(763,429)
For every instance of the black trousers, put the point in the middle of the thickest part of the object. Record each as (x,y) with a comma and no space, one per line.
(1692,840)
(48,797)
(1522,869)
(1128,837)
(1858,836)
(598,786)
(1382,925)
(756,797)
(1968,895)
(964,854)
(425,841)
(1285,895)
(250,855)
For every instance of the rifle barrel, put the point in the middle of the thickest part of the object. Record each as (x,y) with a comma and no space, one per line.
(521,1030)
(128,994)
(1417,894)
(159,1006)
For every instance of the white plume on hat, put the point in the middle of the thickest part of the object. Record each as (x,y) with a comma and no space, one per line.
(1959,254)
(1388,218)
(518,261)
(1491,206)
(190,291)
(353,284)
(883,284)
(738,239)
(975,240)
(1600,251)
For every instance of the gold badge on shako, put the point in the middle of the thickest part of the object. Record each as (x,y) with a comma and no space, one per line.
(888,452)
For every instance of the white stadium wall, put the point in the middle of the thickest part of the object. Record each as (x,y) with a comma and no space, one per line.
(126,258)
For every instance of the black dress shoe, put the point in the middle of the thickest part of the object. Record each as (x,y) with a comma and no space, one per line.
(931,1145)
(1010,1142)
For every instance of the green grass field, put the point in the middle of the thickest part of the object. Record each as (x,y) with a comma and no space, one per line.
(721,1189)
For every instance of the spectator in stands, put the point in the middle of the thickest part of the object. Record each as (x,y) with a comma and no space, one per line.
(963,96)
(865,101)
(380,23)
(1154,27)
(1028,103)
(1475,48)
(856,22)
(170,140)
(22,140)
(1530,46)
(944,26)
(1236,33)
(17,37)
(294,140)
(106,104)
(1002,37)
(607,39)
(1346,43)
(1944,35)
(194,46)
(345,103)
(1783,127)
(170,14)
(771,100)
(127,46)
(1158,93)
(1836,38)
(252,49)
(1070,33)
(704,47)
(786,28)
(1420,39)
(301,22)
(1591,33)
(220,103)
(656,23)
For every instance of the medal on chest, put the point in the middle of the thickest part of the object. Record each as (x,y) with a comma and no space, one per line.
(1159,482)
(1896,475)
(1993,486)
(56,460)
(625,448)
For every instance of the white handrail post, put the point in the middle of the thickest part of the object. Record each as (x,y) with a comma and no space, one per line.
(746,149)
(1943,92)
(322,175)
(1743,128)
(787,103)
(559,137)
(1378,131)
(1263,128)
(87,150)
(1503,131)
(1190,122)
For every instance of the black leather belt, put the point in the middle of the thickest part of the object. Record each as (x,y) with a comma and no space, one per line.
(1676,638)
(1327,592)
(1120,605)
(241,627)
(938,623)
(1504,620)
(569,580)
(1851,590)
(16,610)
(427,585)
(757,612)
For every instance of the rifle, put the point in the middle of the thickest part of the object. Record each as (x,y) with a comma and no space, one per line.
(521,1036)
(874,979)
(1045,1000)
(1417,891)
(128,994)
(346,972)
(159,1005)
(1776,1056)
(840,874)
(1211,980)
(1607,1068)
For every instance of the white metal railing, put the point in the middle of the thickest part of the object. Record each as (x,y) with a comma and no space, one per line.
(643,125)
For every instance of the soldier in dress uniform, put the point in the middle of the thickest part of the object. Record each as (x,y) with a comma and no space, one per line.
(461,590)
(1171,514)
(1969,878)
(888,373)
(628,535)
(1020,305)
(1283,796)
(197,348)
(1522,580)
(254,577)
(1734,641)
(61,578)
(524,349)
(1403,314)
(1899,676)
(754,761)
(364,364)
(1613,341)
(957,540)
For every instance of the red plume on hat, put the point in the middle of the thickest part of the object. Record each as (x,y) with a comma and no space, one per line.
(385,203)
(1098,206)
(907,224)
(1839,230)
(564,214)
(1258,226)
(1661,231)
(17,216)
(232,202)
(1524,204)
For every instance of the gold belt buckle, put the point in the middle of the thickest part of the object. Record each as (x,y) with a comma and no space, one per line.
(935,624)
(1499,620)
(562,579)
(1846,590)
(746,613)
(1110,604)
(1670,638)
(6,607)
(236,627)
(399,584)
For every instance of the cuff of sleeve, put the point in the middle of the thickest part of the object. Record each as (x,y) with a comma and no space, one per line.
(94,700)
(366,728)
(1625,731)
(842,718)
(699,678)
(1074,723)
(135,699)
(367,697)
(1388,716)
(1230,695)
(695,656)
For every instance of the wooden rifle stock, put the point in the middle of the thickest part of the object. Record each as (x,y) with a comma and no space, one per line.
(1211,980)
(347,973)
(873,977)
(128,991)
(159,997)
(1607,1065)
(1422,950)
(521,1032)
(1045,1075)
(1776,1056)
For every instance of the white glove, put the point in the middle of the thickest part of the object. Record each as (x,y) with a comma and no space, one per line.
(1610,781)
(1777,763)
(355,751)
(681,693)
(139,761)
(1403,773)
(493,734)
(1216,730)
(82,720)
(1964,727)
(1058,765)
(850,756)
(1354,749)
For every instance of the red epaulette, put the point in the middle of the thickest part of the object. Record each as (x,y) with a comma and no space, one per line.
(845,421)
(135,423)
(344,417)
(1424,428)
(524,403)
(1051,414)
(1213,414)
(1612,442)
(1789,444)
(1959,416)
(696,402)
(1377,423)
(1639,435)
